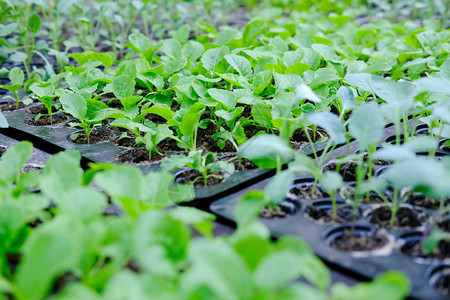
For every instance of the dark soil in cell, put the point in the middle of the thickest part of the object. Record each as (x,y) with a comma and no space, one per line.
(210,145)
(39,108)
(299,138)
(243,165)
(169,146)
(252,130)
(428,203)
(138,156)
(404,219)
(3,150)
(11,105)
(443,284)
(45,120)
(444,223)
(62,281)
(349,241)
(125,142)
(415,250)
(95,137)
(368,198)
(31,168)
(112,103)
(155,118)
(283,210)
(13,261)
(347,170)
(344,214)
(190,175)
(306,191)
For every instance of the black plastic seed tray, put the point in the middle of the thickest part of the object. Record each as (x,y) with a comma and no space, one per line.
(55,138)
(307,218)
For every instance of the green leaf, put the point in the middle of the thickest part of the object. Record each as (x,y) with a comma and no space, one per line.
(305,92)
(366,125)
(34,23)
(261,114)
(16,76)
(434,85)
(83,58)
(393,91)
(225,97)
(278,187)
(171,48)
(430,42)
(362,81)
(249,207)
(297,68)
(212,57)
(347,98)
(3,121)
(431,242)
(266,151)
(251,31)
(219,268)
(141,42)
(14,159)
(42,90)
(123,86)
(331,123)
(240,64)
(392,285)
(326,52)
(193,50)
(331,182)
(74,104)
(49,252)
(272,273)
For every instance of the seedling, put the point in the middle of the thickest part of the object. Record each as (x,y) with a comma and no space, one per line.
(16,77)
(207,165)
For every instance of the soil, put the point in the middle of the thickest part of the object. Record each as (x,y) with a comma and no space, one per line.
(372,199)
(125,142)
(284,209)
(189,175)
(351,241)
(45,120)
(347,170)
(11,105)
(344,214)
(38,108)
(31,168)
(443,284)
(13,261)
(96,136)
(155,118)
(299,138)
(428,203)
(3,150)
(138,156)
(251,130)
(415,250)
(405,218)
(62,281)
(305,191)
(115,103)
(244,164)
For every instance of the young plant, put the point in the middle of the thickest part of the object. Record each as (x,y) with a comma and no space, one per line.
(76,106)
(148,134)
(206,165)
(45,93)
(188,127)
(16,77)
(267,151)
